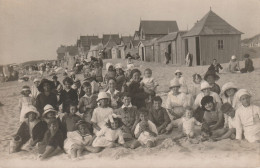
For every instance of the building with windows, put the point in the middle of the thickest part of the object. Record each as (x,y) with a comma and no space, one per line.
(212,37)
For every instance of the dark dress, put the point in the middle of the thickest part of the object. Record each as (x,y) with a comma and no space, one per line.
(215,88)
(137,95)
(215,67)
(248,66)
(159,117)
(42,100)
(66,98)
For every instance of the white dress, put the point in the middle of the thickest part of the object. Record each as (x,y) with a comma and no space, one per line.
(113,100)
(107,136)
(248,120)
(188,125)
(175,103)
(145,136)
(100,116)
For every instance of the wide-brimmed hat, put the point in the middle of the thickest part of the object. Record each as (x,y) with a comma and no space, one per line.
(205,85)
(48,108)
(233,57)
(29,109)
(242,92)
(226,86)
(102,95)
(118,66)
(177,71)
(40,87)
(174,83)
(211,73)
(25,88)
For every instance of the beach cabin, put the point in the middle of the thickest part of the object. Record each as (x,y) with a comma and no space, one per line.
(125,44)
(146,50)
(212,37)
(84,43)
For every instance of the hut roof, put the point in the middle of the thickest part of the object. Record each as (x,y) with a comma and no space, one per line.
(149,42)
(211,24)
(171,36)
(136,42)
(86,40)
(96,41)
(158,27)
(126,39)
(109,37)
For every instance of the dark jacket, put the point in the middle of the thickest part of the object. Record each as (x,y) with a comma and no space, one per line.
(42,100)
(66,98)
(137,94)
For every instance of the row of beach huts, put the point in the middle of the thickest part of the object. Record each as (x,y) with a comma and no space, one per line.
(210,37)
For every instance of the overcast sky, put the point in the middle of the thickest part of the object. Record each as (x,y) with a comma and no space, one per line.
(34,29)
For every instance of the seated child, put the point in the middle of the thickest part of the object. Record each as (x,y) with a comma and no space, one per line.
(233,65)
(101,113)
(211,77)
(88,102)
(195,87)
(107,136)
(178,75)
(188,123)
(247,118)
(248,65)
(52,143)
(145,131)
(31,130)
(158,115)
(215,66)
(25,101)
(80,140)
(148,82)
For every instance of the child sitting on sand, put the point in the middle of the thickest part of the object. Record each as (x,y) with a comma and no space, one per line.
(178,75)
(79,141)
(148,82)
(101,113)
(30,132)
(248,65)
(107,136)
(195,87)
(25,101)
(145,131)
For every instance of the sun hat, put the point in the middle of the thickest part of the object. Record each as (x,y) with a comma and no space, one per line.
(102,95)
(242,92)
(233,57)
(174,83)
(177,71)
(108,65)
(36,80)
(25,88)
(228,85)
(206,99)
(118,66)
(29,109)
(211,73)
(40,87)
(204,85)
(226,107)
(48,108)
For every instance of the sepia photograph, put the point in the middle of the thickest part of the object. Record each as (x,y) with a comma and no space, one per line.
(130,83)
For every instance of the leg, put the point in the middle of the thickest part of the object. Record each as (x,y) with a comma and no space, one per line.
(219,132)
(135,144)
(79,152)
(73,153)
(150,144)
(92,149)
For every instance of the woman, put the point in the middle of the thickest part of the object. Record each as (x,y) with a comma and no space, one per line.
(228,94)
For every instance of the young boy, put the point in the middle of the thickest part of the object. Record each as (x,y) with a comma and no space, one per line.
(158,115)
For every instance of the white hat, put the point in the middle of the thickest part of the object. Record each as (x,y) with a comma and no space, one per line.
(183,89)
(47,109)
(204,85)
(226,86)
(29,109)
(242,92)
(130,66)
(108,65)
(118,66)
(36,80)
(102,95)
(174,82)
(233,57)
(178,71)
(74,86)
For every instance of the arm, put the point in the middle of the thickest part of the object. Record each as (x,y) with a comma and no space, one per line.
(220,119)
(167,120)
(95,125)
(48,151)
(121,138)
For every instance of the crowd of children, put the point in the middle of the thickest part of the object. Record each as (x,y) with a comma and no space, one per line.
(77,117)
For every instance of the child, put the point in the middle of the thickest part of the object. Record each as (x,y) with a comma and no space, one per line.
(113,93)
(70,119)
(111,73)
(158,115)
(80,140)
(101,113)
(148,82)
(233,65)
(94,84)
(31,130)
(178,75)
(211,77)
(107,136)
(248,65)
(188,123)
(195,87)
(215,66)
(247,118)
(98,72)
(34,88)
(55,81)
(145,131)
(88,102)
(52,143)
(25,101)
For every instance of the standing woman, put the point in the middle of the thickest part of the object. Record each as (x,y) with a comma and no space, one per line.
(46,95)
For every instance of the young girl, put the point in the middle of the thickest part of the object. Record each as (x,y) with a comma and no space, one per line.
(101,113)
(247,118)
(188,123)
(211,77)
(195,87)
(31,130)
(107,136)
(120,77)
(178,75)
(111,73)
(113,93)
(145,131)
(79,141)
(34,88)
(148,82)
(25,101)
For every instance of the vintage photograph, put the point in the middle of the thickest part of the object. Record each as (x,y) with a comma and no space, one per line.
(140,83)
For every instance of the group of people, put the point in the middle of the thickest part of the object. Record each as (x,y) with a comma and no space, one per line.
(122,109)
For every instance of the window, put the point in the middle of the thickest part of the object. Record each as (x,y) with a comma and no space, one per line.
(220,44)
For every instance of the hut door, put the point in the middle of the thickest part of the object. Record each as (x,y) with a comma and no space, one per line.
(170,51)
(142,53)
(198,50)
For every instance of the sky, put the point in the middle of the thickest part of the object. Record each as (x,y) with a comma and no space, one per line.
(34,29)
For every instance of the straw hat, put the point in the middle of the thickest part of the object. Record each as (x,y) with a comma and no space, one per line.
(29,109)
(40,87)
(118,66)
(177,71)
(102,95)
(226,86)
(174,83)
(242,92)
(211,73)
(48,108)
(205,85)
(233,57)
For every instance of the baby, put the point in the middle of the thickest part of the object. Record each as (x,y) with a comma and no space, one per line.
(148,82)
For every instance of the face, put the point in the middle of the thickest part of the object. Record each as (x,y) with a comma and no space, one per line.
(197,80)
(82,129)
(31,116)
(175,89)
(147,74)
(77,84)
(67,85)
(214,61)
(206,91)
(73,109)
(136,77)
(37,83)
(88,90)
(51,114)
(46,87)
(112,84)
(178,74)
(245,100)
(231,113)
(27,92)
(143,117)
(188,114)
(157,105)
(127,101)
(230,92)
(210,79)
(114,125)
(209,106)
(54,127)
(103,102)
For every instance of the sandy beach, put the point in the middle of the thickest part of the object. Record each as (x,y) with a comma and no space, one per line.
(167,153)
